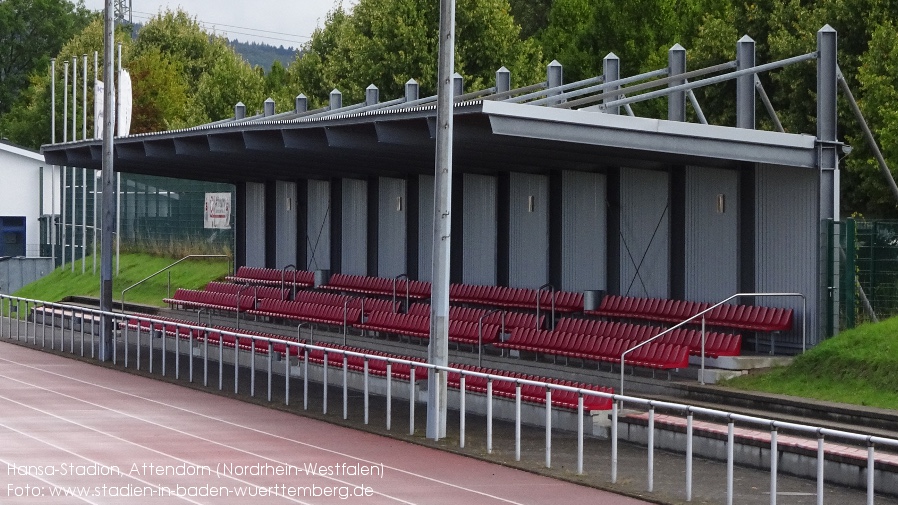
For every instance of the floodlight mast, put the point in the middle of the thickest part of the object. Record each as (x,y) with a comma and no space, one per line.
(438,348)
(108,203)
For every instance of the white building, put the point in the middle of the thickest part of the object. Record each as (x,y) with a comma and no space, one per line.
(25,193)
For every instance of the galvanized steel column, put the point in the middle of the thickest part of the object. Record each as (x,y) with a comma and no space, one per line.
(676,101)
(611,69)
(745,85)
(438,348)
(503,80)
(108,186)
(827,66)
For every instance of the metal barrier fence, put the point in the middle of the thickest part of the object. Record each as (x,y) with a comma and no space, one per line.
(21,323)
(861,272)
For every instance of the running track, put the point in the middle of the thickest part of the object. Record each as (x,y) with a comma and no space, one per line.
(62,422)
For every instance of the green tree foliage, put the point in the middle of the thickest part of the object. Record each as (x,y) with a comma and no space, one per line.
(181,77)
(31,31)
(388,42)
(532,15)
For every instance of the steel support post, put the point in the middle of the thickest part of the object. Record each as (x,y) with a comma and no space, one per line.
(438,348)
(108,188)
(676,101)
(611,69)
(745,85)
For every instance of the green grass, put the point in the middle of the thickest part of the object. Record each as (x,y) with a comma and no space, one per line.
(859,366)
(192,273)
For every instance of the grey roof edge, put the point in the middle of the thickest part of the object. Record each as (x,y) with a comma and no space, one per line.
(337,119)
(652,134)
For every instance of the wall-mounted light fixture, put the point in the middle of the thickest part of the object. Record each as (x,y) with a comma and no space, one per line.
(398,204)
(289,203)
(721,203)
(531,203)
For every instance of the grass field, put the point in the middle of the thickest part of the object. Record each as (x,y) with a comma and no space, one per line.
(858,366)
(191,273)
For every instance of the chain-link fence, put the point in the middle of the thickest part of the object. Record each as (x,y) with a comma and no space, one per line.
(862,272)
(157,215)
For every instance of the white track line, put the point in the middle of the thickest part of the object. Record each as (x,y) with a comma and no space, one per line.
(115,437)
(256,430)
(63,449)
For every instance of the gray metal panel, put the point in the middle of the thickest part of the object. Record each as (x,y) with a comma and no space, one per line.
(318,241)
(18,272)
(528,255)
(425,227)
(712,220)
(391,236)
(355,227)
(479,229)
(583,231)
(645,233)
(786,246)
(255,224)
(285,223)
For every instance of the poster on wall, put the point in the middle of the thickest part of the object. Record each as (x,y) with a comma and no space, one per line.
(217,213)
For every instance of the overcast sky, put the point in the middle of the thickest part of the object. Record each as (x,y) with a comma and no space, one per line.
(292,21)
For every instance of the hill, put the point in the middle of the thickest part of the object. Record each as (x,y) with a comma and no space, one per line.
(264,55)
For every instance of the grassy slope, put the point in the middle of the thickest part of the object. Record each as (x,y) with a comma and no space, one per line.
(858,366)
(134,267)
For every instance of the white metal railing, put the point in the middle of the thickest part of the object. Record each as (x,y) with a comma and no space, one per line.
(804,311)
(34,331)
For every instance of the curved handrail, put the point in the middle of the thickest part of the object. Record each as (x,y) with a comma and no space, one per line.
(480,333)
(284,279)
(395,280)
(702,313)
(189,256)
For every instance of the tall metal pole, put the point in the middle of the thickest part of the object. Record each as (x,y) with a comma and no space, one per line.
(84,170)
(96,78)
(65,170)
(118,189)
(53,168)
(108,195)
(74,138)
(438,349)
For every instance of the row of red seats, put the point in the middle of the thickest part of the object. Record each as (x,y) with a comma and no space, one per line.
(257,291)
(378,286)
(530,393)
(743,317)
(273,277)
(512,319)
(197,299)
(310,312)
(655,354)
(174,327)
(716,343)
(339,300)
(466,332)
(520,298)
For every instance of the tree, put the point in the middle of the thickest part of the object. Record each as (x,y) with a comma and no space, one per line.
(30,31)
(388,42)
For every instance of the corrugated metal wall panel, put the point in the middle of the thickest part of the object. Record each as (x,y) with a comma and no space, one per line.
(355,227)
(645,233)
(318,241)
(255,224)
(391,239)
(584,237)
(712,240)
(528,255)
(425,227)
(285,215)
(786,246)
(479,229)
